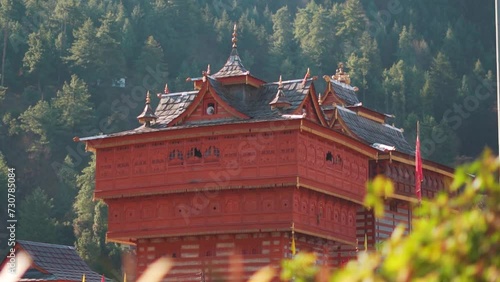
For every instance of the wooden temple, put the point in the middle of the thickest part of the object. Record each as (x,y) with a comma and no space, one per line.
(235,166)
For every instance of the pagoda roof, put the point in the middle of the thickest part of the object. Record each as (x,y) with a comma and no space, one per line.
(233,66)
(53,262)
(374,133)
(257,106)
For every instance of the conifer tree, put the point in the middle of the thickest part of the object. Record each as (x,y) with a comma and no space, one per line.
(440,86)
(151,60)
(36,221)
(90,224)
(73,105)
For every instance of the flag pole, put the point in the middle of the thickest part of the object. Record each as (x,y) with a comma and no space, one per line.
(497,27)
(418,166)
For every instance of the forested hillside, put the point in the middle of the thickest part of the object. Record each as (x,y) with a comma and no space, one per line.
(63,64)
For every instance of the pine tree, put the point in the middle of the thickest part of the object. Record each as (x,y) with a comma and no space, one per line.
(39,58)
(395,90)
(39,123)
(36,221)
(90,224)
(82,52)
(73,104)
(440,86)
(353,23)
(110,62)
(312,29)
(151,60)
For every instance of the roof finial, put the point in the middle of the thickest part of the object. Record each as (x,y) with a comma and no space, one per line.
(147,115)
(166,90)
(280,101)
(320,101)
(234,40)
(308,74)
(341,76)
(208,69)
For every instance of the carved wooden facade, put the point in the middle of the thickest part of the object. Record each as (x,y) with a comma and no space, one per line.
(219,173)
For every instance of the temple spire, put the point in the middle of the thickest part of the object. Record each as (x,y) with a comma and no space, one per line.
(233,65)
(235,39)
(147,114)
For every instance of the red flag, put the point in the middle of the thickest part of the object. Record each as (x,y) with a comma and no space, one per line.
(418,168)
(102,278)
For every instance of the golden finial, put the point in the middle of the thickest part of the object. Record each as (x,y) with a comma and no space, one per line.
(166,90)
(319,99)
(148,98)
(341,76)
(234,40)
(280,83)
(341,68)
(208,69)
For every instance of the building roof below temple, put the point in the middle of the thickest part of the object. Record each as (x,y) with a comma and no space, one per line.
(53,262)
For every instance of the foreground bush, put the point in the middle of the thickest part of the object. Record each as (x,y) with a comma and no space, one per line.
(455,236)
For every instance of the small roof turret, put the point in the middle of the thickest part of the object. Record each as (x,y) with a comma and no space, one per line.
(147,114)
(280,101)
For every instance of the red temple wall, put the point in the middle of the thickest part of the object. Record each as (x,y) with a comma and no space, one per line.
(252,160)
(232,211)
(214,257)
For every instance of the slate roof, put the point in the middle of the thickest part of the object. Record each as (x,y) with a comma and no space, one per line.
(171,106)
(345,92)
(256,106)
(233,66)
(373,132)
(58,261)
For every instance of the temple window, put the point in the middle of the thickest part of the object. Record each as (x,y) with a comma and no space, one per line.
(194,152)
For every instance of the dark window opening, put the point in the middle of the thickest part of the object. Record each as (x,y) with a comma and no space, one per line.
(194,152)
(329,157)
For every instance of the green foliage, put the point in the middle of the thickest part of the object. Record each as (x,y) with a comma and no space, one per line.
(39,124)
(301,268)
(90,224)
(3,196)
(36,221)
(3,90)
(73,104)
(151,60)
(454,236)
